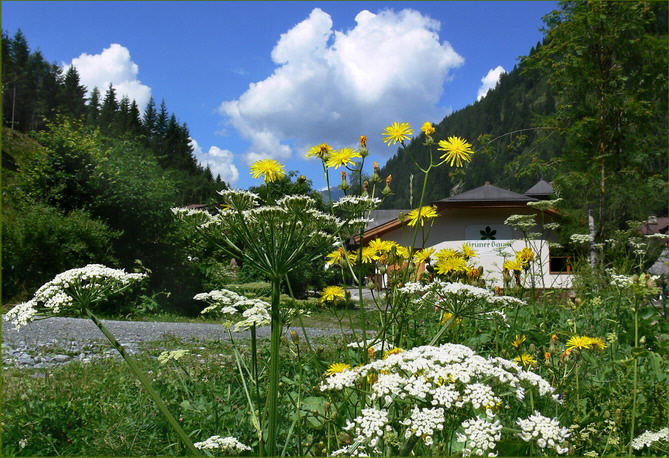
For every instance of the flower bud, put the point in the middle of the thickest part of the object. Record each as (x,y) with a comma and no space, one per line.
(365,187)
(386,191)
(363,141)
(301,179)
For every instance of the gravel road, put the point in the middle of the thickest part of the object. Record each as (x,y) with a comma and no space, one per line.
(58,340)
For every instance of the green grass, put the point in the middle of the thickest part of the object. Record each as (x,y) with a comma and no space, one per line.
(99,408)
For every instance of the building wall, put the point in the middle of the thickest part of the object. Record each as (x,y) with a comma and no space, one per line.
(484,230)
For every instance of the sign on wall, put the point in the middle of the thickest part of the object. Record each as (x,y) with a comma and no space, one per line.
(488,232)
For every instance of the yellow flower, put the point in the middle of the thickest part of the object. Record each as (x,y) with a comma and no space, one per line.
(363,141)
(518,341)
(422,256)
(270,169)
(336,368)
(448,265)
(342,157)
(402,252)
(585,342)
(381,246)
(336,257)
(392,351)
(512,265)
(468,252)
(525,360)
(447,316)
(322,151)
(525,256)
(331,293)
(457,150)
(368,255)
(397,132)
(427,128)
(597,343)
(427,212)
(578,343)
(446,253)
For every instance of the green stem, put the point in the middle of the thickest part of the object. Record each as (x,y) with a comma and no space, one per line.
(273,391)
(146,384)
(636,366)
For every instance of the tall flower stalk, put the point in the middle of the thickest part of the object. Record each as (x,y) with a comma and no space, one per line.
(75,293)
(271,239)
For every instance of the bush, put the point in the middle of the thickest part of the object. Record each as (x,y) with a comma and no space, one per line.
(39,241)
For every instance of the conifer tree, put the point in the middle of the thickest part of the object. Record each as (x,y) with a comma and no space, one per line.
(73,94)
(108,110)
(93,107)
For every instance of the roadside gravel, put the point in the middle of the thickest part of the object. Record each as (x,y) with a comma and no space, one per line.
(59,340)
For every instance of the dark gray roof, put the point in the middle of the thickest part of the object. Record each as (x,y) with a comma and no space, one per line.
(379,217)
(488,193)
(541,188)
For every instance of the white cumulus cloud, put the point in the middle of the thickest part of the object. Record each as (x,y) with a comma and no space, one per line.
(220,161)
(490,81)
(113,65)
(333,85)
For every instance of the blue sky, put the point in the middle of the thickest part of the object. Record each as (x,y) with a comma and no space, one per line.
(270,79)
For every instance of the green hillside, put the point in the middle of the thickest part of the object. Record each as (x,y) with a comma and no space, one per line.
(514,160)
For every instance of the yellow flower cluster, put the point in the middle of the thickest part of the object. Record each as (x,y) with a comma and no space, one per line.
(585,343)
(522,261)
(455,262)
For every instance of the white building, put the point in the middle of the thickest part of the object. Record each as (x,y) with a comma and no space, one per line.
(477,218)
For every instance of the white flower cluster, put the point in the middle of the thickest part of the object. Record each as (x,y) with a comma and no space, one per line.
(357,205)
(173,355)
(423,422)
(413,288)
(355,450)
(371,425)
(621,281)
(547,432)
(220,300)
(227,445)
(68,289)
(182,211)
(648,438)
(658,236)
(520,222)
(257,312)
(297,202)
(580,238)
(239,199)
(372,345)
(544,205)
(451,379)
(480,436)
(226,302)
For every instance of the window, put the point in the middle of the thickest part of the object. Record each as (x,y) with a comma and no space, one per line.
(560,265)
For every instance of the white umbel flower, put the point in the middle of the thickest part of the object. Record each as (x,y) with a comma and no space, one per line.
(228,445)
(648,438)
(547,432)
(480,437)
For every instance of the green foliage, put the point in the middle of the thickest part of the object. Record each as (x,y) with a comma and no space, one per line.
(39,241)
(606,63)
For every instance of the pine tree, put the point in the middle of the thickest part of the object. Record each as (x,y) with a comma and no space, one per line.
(108,110)
(149,121)
(73,95)
(135,122)
(93,108)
